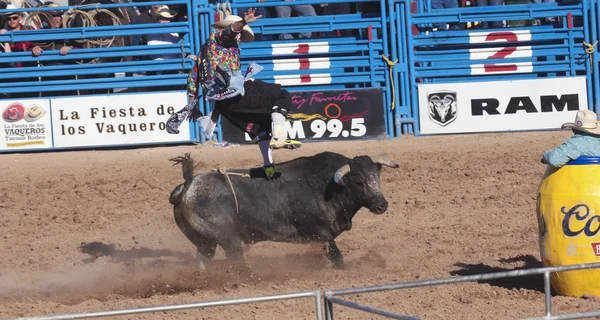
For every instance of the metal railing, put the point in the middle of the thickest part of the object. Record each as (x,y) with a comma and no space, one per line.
(101,314)
(330,298)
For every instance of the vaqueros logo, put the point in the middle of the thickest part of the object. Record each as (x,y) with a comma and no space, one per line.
(442,107)
(34,113)
(13,112)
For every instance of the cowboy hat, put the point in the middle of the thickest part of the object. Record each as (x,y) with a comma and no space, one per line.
(165,12)
(585,121)
(51,4)
(247,33)
(34,112)
(10,6)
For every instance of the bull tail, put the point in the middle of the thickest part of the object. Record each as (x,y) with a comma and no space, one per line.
(187,164)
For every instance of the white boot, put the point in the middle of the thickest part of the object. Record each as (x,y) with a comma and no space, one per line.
(278,138)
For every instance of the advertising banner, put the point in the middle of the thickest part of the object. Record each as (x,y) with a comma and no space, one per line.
(115,120)
(25,124)
(328,115)
(495,106)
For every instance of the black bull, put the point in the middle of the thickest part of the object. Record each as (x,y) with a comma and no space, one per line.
(314,201)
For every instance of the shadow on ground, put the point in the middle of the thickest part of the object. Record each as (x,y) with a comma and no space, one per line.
(98,249)
(528,282)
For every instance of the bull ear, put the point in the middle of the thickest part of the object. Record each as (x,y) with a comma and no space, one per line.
(338,177)
(385,162)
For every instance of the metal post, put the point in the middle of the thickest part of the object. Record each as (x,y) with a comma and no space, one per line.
(547,293)
(328,308)
(318,305)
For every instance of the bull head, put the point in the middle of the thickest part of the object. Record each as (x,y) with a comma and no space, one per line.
(338,177)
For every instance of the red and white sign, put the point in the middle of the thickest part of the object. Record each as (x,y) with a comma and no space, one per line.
(300,48)
(508,51)
(303,79)
(301,64)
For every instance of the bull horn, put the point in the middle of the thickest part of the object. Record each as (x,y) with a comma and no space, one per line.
(340,173)
(385,162)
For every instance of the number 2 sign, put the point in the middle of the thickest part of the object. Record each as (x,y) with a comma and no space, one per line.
(510,50)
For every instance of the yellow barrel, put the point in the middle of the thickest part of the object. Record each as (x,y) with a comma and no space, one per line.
(568,213)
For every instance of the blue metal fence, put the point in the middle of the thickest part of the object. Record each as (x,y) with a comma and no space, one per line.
(395,47)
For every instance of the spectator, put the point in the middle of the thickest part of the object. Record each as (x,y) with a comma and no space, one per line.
(14,24)
(64,46)
(148,16)
(584,142)
(549,20)
(303,10)
(164,15)
(334,9)
(441,4)
(483,3)
(3,6)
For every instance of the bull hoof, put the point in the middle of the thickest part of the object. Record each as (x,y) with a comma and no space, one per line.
(247,272)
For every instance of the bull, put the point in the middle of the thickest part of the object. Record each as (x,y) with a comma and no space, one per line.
(313,201)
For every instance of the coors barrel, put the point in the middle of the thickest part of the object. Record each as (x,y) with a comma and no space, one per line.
(568,213)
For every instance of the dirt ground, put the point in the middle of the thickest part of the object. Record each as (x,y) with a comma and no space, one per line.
(93,230)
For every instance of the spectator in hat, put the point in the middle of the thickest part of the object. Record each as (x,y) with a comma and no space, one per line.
(584,142)
(163,15)
(14,24)
(57,18)
(64,46)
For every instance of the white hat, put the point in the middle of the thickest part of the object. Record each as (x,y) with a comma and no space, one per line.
(34,112)
(165,12)
(585,121)
(11,6)
(247,33)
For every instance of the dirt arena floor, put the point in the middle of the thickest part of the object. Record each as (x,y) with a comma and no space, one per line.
(93,230)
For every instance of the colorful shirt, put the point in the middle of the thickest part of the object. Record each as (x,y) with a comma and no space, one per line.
(222,75)
(577,146)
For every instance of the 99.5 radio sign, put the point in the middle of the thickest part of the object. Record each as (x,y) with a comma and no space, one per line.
(328,115)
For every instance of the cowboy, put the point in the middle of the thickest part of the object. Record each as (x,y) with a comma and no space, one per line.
(14,24)
(584,142)
(253,106)
(164,15)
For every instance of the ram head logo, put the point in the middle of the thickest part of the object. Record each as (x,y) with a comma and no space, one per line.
(442,107)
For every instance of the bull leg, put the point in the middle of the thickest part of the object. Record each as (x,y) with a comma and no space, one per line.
(335,255)
(234,250)
(206,251)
